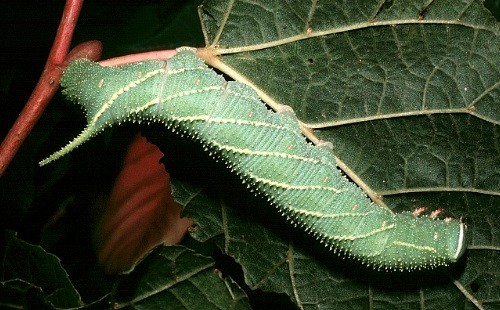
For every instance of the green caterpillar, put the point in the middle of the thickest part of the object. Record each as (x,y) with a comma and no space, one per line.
(267,150)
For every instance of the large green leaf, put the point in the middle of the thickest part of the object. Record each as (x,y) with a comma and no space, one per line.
(407,92)
(177,278)
(390,84)
(32,278)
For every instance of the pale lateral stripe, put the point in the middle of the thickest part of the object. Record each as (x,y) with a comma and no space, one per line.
(233,149)
(414,246)
(289,186)
(145,106)
(219,120)
(156,101)
(182,70)
(192,92)
(368,234)
(329,215)
(137,82)
(123,90)
(203,117)
(208,119)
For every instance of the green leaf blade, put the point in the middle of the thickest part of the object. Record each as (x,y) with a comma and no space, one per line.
(176,277)
(32,277)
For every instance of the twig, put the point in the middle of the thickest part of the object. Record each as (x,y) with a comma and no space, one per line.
(126,59)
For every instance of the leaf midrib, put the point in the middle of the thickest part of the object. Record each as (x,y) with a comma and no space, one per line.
(352,27)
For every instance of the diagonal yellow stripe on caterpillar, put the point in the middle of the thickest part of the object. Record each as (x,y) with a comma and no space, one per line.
(136,83)
(204,117)
(330,215)
(288,186)
(157,100)
(416,247)
(361,236)
(208,119)
(237,150)
(123,90)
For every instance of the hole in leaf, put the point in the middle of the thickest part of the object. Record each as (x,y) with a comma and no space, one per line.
(258,298)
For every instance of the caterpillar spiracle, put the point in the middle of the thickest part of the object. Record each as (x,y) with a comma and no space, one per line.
(266,149)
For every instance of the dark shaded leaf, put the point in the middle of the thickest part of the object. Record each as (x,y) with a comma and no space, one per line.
(177,278)
(30,276)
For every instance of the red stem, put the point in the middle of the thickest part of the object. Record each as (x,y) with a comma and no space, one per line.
(126,59)
(47,84)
